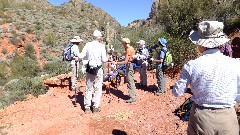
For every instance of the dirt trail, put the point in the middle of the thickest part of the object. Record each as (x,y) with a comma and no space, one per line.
(54,114)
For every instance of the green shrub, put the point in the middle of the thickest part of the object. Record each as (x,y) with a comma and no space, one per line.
(24,67)
(4,51)
(49,39)
(15,41)
(30,51)
(56,67)
(22,37)
(17,89)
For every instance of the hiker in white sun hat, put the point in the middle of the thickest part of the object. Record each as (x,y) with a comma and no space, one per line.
(142,54)
(214,80)
(75,62)
(96,55)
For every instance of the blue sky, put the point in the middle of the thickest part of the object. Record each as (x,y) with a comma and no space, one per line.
(124,11)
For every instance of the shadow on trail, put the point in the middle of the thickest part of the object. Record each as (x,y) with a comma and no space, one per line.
(118,132)
(115,92)
(79,99)
(149,88)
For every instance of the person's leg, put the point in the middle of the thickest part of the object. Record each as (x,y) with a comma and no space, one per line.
(144,74)
(89,89)
(141,75)
(226,122)
(158,76)
(130,83)
(73,77)
(97,83)
(163,81)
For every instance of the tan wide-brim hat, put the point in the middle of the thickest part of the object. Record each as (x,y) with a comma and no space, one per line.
(76,39)
(126,40)
(209,34)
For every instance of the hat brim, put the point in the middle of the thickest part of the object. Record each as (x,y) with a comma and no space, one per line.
(207,42)
(76,41)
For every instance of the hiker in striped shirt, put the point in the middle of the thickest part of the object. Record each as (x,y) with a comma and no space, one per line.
(215,83)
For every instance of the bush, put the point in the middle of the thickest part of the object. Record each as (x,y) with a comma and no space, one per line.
(56,67)
(17,89)
(49,39)
(30,51)
(24,67)
(15,41)
(4,51)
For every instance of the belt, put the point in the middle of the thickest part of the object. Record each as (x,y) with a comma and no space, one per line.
(209,108)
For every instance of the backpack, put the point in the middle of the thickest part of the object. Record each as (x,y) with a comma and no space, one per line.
(183,112)
(226,49)
(168,58)
(66,54)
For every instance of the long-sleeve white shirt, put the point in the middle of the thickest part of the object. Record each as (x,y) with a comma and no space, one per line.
(95,52)
(214,80)
(74,52)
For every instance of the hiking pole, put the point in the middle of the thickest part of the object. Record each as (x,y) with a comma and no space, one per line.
(75,93)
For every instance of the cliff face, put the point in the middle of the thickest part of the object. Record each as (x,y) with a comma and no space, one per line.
(151,18)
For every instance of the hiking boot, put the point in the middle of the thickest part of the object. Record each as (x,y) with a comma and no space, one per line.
(96,110)
(87,110)
(131,100)
(158,93)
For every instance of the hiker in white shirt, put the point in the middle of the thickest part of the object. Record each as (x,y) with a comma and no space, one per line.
(96,55)
(215,83)
(74,62)
(142,54)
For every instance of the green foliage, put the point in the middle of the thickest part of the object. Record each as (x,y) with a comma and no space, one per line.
(3,73)
(30,51)
(17,89)
(24,67)
(56,67)
(49,39)
(4,51)
(4,4)
(15,41)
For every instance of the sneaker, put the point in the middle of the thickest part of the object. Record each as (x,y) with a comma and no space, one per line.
(96,110)
(131,100)
(87,110)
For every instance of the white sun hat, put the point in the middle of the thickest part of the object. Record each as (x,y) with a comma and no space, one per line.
(97,33)
(141,42)
(76,39)
(209,34)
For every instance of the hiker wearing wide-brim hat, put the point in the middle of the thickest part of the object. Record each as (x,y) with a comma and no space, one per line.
(75,41)
(96,55)
(215,83)
(161,52)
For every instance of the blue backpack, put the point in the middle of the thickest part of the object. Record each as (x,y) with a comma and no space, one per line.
(66,54)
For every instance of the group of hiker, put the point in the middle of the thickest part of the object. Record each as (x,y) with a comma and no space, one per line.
(96,55)
(214,78)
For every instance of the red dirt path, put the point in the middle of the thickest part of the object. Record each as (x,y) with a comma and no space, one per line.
(54,113)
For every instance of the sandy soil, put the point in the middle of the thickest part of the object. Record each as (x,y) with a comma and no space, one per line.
(54,113)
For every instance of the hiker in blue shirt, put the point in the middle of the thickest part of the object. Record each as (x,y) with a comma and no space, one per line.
(161,52)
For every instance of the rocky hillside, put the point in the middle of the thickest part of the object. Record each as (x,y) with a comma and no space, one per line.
(52,26)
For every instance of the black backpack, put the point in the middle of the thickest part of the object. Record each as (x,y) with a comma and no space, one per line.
(183,112)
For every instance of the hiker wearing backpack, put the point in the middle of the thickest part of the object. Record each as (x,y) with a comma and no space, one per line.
(96,55)
(142,55)
(161,49)
(214,80)
(74,53)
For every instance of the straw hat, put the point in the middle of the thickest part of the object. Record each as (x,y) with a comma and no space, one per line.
(76,39)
